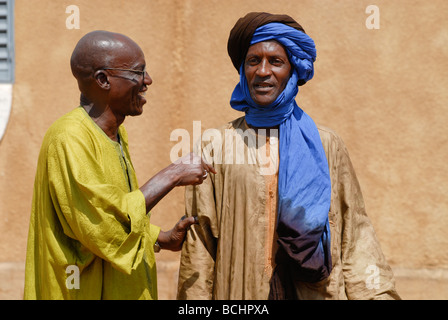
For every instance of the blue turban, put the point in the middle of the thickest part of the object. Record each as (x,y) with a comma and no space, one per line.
(304,185)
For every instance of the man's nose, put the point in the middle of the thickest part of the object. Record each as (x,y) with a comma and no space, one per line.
(264,69)
(147,79)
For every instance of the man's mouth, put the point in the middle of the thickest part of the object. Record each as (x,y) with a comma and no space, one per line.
(263,87)
(141,95)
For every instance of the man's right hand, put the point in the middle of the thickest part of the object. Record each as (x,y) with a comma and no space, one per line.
(191,170)
(188,170)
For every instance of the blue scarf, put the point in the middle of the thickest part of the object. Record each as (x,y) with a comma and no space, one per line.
(304,187)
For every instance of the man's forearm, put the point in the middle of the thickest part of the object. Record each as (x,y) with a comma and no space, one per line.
(158,187)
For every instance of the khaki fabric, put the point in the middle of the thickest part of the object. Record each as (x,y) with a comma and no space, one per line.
(89,234)
(230,254)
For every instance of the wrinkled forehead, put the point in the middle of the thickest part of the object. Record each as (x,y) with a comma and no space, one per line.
(271,47)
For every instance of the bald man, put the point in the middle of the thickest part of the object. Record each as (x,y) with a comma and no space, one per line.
(90,235)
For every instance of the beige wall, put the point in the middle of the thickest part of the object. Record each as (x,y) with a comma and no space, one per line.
(384,91)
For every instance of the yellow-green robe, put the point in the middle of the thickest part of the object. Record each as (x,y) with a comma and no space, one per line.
(231,253)
(89,235)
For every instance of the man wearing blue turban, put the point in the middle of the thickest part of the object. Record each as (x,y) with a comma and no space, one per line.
(299,231)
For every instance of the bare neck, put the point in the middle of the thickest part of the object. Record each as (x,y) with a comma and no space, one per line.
(105,119)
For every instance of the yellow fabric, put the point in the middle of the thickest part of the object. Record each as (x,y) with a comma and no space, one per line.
(229,254)
(86,216)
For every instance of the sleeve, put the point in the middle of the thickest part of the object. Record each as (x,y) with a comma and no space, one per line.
(105,218)
(197,264)
(367,274)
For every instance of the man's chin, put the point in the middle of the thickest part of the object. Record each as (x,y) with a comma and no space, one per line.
(263,102)
(263,99)
(137,112)
(138,107)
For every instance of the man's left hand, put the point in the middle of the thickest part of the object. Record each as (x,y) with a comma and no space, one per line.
(172,240)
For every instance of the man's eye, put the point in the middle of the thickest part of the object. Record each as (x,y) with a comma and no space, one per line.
(276,62)
(253,61)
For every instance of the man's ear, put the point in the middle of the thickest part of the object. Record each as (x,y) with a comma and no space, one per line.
(102,80)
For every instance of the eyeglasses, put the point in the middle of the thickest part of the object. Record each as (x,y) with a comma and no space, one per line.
(139,72)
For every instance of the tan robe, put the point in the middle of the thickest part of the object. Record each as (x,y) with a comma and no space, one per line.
(230,254)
